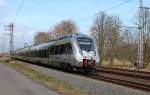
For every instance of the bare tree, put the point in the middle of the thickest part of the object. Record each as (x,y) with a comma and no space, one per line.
(127,46)
(64,28)
(112,34)
(97,31)
(106,30)
(41,37)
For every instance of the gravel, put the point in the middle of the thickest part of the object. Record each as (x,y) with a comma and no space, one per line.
(93,87)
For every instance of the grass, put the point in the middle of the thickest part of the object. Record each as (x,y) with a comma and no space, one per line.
(118,63)
(47,81)
(3,61)
(123,64)
(148,67)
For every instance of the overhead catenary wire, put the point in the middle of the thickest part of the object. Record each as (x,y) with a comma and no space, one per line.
(131,19)
(18,11)
(116,6)
(112,8)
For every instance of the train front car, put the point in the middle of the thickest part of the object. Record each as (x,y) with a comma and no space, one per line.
(86,52)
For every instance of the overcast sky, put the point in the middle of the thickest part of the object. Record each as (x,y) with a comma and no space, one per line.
(41,15)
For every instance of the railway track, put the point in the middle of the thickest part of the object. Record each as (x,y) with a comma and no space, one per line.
(134,79)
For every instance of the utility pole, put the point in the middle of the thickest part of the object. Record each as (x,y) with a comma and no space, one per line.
(3,45)
(140,56)
(10,27)
(144,17)
(141,3)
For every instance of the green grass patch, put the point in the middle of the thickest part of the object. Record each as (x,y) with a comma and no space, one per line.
(47,81)
(3,61)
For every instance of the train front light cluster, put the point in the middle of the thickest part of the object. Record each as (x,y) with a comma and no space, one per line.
(88,63)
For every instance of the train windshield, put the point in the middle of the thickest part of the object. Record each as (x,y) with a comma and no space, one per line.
(86,44)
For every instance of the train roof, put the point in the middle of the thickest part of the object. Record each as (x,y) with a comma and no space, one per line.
(53,41)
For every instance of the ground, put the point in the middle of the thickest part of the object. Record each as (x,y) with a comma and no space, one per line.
(14,83)
(25,71)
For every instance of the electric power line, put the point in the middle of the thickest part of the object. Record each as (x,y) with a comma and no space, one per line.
(18,11)
(114,7)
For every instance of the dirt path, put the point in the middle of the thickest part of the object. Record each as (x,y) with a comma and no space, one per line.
(14,83)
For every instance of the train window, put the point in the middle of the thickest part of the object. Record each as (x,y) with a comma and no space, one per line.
(33,53)
(69,48)
(40,53)
(86,44)
(52,50)
(60,49)
(66,48)
(46,53)
(57,49)
(43,53)
(29,53)
(36,53)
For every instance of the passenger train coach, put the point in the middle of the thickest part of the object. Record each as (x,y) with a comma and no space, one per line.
(75,51)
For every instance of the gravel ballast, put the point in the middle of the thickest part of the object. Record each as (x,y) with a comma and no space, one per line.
(93,87)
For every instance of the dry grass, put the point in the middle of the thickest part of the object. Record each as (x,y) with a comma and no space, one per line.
(123,64)
(47,81)
(118,63)
(148,67)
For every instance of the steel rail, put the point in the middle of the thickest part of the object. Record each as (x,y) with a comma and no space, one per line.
(134,79)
